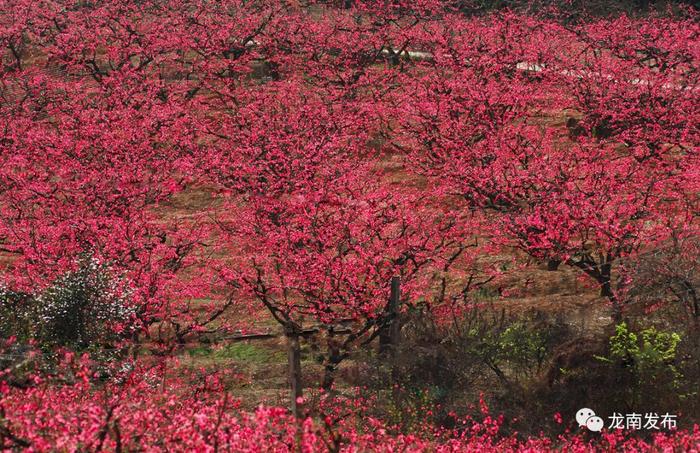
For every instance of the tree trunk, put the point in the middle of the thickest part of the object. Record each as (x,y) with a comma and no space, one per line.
(607,291)
(601,273)
(331,364)
(553,265)
(605,286)
(694,303)
(294,371)
(390,335)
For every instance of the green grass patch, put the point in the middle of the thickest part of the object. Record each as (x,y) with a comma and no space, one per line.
(242,352)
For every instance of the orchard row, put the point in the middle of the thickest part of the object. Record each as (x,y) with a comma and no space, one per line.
(344,146)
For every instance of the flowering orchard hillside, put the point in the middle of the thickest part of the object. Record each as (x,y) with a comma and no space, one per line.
(348,226)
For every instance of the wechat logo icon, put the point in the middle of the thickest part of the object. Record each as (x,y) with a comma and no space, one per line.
(586,417)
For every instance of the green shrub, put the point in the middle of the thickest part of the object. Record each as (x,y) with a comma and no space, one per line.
(85,308)
(443,368)
(649,359)
(522,348)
